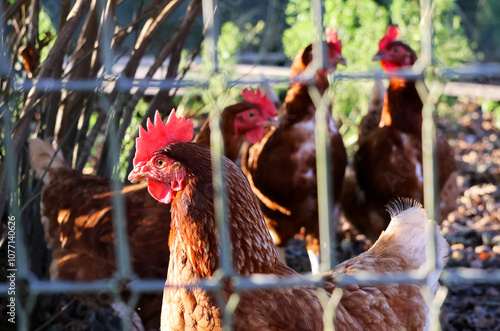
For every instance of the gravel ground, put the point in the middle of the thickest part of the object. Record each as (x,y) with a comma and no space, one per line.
(473,230)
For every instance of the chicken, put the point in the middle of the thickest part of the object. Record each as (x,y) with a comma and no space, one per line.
(77,209)
(372,119)
(282,168)
(77,216)
(243,121)
(179,172)
(388,162)
(355,207)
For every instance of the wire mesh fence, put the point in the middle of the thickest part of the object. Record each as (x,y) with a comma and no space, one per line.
(116,96)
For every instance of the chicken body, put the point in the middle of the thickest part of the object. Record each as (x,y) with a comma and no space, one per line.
(194,255)
(281,168)
(77,215)
(388,162)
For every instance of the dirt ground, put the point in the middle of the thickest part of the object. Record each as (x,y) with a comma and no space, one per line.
(473,230)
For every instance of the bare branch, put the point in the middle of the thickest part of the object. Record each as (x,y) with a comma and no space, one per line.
(193,11)
(55,97)
(82,64)
(33,21)
(13,9)
(57,51)
(163,100)
(122,34)
(90,140)
(46,70)
(145,38)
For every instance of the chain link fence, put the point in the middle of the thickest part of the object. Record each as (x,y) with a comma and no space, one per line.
(117,95)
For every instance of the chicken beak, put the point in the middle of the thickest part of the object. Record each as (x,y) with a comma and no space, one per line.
(272,121)
(341,60)
(139,173)
(379,56)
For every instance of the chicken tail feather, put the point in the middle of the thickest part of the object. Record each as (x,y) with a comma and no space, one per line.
(409,229)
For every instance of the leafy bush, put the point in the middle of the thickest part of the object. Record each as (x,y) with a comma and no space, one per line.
(361,24)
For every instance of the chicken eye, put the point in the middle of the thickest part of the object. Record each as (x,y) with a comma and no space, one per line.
(251,115)
(160,163)
(396,50)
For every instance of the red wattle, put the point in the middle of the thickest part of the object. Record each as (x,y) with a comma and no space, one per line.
(160,191)
(389,67)
(255,135)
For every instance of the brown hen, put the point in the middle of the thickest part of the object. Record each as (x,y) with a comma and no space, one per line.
(77,211)
(281,168)
(388,163)
(180,173)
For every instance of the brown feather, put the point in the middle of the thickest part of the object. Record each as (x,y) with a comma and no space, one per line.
(77,216)
(282,167)
(388,162)
(389,307)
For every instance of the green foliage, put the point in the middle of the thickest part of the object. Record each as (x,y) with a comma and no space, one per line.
(350,104)
(492,107)
(483,27)
(450,45)
(361,24)
(233,39)
(219,95)
(229,42)
(45,26)
(128,140)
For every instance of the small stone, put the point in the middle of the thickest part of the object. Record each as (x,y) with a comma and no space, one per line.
(480,311)
(482,249)
(493,292)
(457,255)
(470,139)
(360,237)
(488,237)
(485,322)
(476,264)
(492,304)
(478,291)
(496,240)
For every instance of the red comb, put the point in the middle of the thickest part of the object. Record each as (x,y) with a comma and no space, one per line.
(390,36)
(263,101)
(332,38)
(159,135)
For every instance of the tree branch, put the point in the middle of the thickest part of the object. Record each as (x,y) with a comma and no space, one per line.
(120,105)
(148,31)
(55,97)
(21,134)
(123,33)
(82,63)
(13,9)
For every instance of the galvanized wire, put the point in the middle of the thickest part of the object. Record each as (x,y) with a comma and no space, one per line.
(323,161)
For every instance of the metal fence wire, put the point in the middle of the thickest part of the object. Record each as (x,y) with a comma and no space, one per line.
(29,287)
